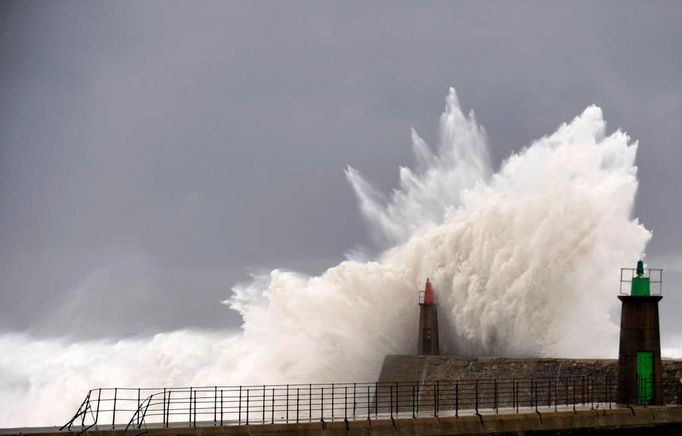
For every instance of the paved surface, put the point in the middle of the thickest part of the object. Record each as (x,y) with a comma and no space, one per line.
(638,420)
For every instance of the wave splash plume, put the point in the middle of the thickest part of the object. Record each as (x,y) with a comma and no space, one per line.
(522,261)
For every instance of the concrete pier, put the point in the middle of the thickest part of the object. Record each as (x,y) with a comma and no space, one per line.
(630,421)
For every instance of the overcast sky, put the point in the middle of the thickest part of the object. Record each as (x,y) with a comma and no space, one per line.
(153,153)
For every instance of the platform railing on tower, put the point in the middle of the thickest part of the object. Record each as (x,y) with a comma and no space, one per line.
(654,276)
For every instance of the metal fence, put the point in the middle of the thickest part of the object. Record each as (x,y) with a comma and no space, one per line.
(655,276)
(295,403)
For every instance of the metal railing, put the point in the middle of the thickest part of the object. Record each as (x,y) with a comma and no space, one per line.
(295,403)
(655,276)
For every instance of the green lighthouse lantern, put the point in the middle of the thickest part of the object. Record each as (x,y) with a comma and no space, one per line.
(640,284)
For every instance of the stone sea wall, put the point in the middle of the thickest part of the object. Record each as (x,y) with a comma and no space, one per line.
(445,368)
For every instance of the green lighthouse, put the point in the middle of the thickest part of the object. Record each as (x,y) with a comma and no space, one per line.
(639,354)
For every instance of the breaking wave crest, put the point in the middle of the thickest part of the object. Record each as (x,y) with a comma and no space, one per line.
(436,183)
(522,263)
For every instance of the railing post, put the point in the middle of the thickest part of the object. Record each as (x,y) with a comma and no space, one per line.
(345,403)
(437,397)
(476,395)
(376,400)
(369,404)
(99,395)
(391,399)
(354,399)
(85,410)
(113,418)
(456,397)
(420,386)
(78,412)
(287,405)
(332,401)
(195,408)
(189,416)
(248,392)
(215,405)
(272,407)
(168,407)
(310,403)
(263,405)
(297,398)
(322,404)
(138,406)
(435,401)
(221,407)
(513,394)
(163,419)
(239,414)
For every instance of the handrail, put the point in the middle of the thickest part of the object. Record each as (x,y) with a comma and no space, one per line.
(134,408)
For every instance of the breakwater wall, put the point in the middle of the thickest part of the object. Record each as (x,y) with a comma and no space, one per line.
(408,368)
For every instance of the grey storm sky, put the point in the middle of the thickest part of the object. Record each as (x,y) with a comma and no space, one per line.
(153,153)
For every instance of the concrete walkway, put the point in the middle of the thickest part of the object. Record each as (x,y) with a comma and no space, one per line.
(637,420)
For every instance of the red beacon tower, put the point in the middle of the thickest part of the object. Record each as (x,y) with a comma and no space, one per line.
(428,322)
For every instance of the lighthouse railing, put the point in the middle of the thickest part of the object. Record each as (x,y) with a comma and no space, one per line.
(655,276)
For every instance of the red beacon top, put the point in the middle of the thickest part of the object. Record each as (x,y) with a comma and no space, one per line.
(428,293)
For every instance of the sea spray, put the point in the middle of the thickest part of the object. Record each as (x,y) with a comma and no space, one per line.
(522,263)
(435,185)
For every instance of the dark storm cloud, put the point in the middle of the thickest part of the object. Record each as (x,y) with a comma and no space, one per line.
(152,153)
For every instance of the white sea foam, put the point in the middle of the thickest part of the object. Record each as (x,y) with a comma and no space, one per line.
(672,349)
(522,263)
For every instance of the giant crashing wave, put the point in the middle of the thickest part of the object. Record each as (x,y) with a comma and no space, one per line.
(517,258)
